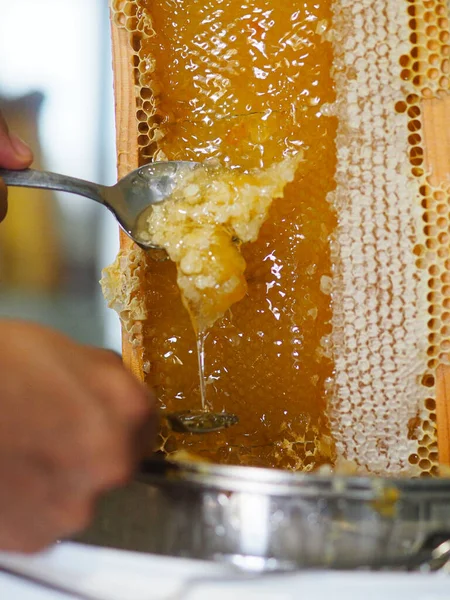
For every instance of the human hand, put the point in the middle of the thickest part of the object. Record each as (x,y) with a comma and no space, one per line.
(14,154)
(73,423)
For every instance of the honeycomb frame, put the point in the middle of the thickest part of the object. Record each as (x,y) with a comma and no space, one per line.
(422,66)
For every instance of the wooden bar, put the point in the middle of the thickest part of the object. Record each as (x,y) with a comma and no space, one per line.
(126,146)
(443,413)
(436,129)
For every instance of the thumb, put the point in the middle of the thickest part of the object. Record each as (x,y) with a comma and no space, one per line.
(14,153)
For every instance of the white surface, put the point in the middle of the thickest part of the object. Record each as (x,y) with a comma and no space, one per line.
(115,575)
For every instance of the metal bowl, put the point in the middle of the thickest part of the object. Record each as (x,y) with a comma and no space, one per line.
(264,520)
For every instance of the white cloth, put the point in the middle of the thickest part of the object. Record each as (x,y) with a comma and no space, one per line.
(107,574)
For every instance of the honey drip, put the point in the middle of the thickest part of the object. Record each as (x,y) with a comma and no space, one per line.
(201,336)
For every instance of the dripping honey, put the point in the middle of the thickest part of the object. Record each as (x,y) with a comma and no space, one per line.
(244,84)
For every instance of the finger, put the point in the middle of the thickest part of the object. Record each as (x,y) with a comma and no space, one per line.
(14,153)
(70,514)
(112,355)
(108,379)
(131,410)
(3,200)
(106,354)
(129,399)
(145,436)
(117,355)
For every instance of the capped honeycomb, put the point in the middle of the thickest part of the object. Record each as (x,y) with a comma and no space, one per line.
(332,352)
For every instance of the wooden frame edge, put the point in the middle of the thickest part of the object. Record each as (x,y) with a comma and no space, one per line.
(436,129)
(126,147)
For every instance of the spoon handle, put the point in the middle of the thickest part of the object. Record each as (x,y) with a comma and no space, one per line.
(52,181)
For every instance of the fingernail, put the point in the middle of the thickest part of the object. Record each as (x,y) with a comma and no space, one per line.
(21,148)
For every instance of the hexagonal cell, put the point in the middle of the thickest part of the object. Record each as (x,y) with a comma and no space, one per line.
(118,5)
(119,19)
(130,9)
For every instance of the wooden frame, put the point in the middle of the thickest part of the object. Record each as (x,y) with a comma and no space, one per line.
(436,129)
(436,123)
(126,146)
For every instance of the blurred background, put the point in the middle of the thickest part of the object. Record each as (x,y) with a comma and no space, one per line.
(56,92)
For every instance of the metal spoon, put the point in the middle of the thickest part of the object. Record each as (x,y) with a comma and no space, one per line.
(128,200)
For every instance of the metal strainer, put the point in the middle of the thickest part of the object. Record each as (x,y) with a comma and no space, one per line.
(264,520)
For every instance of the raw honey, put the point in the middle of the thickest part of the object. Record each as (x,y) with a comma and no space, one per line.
(244,84)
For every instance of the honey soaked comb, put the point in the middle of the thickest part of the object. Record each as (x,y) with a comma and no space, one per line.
(243,83)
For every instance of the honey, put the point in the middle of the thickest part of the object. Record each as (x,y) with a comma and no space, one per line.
(243,84)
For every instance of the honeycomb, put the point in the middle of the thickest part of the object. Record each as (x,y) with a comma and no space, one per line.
(394,205)
(267,359)
(331,355)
